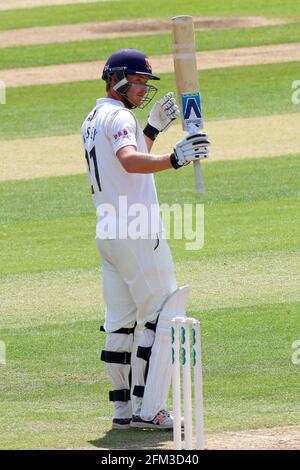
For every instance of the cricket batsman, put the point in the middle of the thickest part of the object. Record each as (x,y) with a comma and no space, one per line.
(139,285)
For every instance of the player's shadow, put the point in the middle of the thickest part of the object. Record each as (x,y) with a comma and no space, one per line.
(134,439)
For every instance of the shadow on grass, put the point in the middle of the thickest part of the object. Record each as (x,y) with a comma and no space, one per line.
(133,439)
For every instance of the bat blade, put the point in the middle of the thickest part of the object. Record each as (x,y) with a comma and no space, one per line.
(185,66)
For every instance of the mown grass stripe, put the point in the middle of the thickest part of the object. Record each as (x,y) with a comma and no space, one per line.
(63,155)
(108,11)
(226,93)
(40,199)
(74,295)
(242,227)
(81,51)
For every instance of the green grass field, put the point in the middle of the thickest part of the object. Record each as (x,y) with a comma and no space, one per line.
(233,217)
(53,381)
(56,391)
(244,282)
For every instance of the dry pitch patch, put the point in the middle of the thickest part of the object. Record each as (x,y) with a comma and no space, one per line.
(233,139)
(275,438)
(161,64)
(123,28)
(75,295)
(16,4)
(284,438)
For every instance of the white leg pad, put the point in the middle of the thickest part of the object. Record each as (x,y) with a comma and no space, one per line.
(160,365)
(119,373)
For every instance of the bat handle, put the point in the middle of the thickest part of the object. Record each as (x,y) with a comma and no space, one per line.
(198,177)
(192,129)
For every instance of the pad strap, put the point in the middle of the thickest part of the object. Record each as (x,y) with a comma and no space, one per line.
(151,326)
(144,352)
(138,391)
(119,395)
(123,331)
(116,357)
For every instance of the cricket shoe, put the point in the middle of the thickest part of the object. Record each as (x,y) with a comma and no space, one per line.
(121,423)
(163,420)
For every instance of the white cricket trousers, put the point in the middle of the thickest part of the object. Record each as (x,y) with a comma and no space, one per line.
(138,275)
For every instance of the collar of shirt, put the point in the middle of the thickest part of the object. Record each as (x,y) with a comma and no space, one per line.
(110,100)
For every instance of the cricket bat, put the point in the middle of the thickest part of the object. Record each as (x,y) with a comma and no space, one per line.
(185,65)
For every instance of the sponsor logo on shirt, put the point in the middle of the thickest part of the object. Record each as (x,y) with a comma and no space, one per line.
(121,134)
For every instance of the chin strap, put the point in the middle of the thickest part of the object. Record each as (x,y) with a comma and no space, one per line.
(122,86)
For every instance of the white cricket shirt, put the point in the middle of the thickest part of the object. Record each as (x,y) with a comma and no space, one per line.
(126,203)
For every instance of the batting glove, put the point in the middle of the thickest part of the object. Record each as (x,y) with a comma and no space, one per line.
(162,115)
(192,147)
